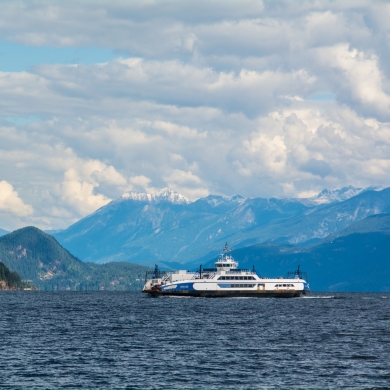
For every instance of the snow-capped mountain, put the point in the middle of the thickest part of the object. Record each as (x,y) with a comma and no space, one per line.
(216,200)
(165,195)
(166,227)
(333,196)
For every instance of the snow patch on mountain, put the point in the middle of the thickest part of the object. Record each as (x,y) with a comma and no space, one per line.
(217,200)
(333,196)
(164,195)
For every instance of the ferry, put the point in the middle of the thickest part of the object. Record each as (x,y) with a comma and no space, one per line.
(225,280)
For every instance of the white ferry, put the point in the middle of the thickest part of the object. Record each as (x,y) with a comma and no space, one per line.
(225,280)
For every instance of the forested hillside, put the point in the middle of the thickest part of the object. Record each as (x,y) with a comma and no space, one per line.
(11,280)
(39,258)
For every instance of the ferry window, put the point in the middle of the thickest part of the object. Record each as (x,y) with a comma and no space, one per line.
(284,285)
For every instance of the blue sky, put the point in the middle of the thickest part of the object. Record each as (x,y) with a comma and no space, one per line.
(17,57)
(258,98)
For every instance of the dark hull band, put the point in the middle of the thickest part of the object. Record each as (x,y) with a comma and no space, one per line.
(228,294)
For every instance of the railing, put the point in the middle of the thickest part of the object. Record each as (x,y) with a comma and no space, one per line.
(166,277)
(204,273)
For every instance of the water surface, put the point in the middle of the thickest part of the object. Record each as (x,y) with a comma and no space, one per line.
(126,340)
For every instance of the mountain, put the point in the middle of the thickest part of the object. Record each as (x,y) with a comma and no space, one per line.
(373,223)
(143,230)
(333,196)
(357,262)
(318,222)
(165,195)
(168,229)
(3,232)
(39,258)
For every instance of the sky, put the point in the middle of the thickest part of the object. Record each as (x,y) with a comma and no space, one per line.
(257,98)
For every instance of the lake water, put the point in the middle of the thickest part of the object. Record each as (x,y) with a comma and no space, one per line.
(126,340)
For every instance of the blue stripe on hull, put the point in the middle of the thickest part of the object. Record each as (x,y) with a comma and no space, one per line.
(226,294)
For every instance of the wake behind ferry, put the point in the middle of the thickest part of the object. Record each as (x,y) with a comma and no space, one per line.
(225,280)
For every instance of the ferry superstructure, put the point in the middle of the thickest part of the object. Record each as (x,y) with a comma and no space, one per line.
(225,280)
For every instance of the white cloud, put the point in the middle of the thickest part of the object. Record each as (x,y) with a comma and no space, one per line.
(178,131)
(10,201)
(362,73)
(81,181)
(263,99)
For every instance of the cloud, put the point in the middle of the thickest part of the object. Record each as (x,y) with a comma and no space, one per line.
(10,201)
(317,167)
(81,181)
(257,98)
(360,77)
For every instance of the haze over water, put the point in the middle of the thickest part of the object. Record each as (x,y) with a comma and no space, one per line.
(125,340)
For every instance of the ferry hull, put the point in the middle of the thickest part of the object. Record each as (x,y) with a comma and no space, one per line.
(228,294)
(225,280)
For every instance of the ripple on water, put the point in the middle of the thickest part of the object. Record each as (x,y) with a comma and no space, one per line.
(125,341)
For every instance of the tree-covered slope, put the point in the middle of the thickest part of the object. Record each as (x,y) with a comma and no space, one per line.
(11,280)
(39,258)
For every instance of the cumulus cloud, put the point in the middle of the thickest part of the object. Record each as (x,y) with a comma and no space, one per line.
(10,201)
(359,75)
(258,98)
(80,182)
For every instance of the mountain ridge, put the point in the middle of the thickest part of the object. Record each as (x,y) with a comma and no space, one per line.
(164,195)
(39,258)
(147,232)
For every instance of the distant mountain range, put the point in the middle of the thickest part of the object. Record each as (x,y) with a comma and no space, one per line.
(341,238)
(352,259)
(331,196)
(169,229)
(40,259)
